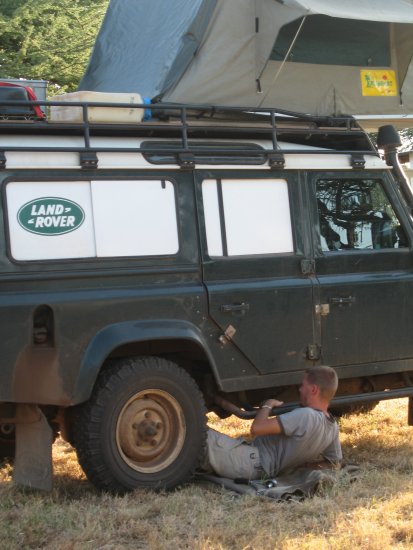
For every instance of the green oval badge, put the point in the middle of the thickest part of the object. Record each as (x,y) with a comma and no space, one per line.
(50,216)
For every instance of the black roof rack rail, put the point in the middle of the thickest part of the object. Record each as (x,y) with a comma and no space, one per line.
(186,123)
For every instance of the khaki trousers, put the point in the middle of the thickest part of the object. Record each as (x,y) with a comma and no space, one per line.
(232,458)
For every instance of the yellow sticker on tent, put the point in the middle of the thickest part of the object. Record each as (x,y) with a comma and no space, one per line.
(378,83)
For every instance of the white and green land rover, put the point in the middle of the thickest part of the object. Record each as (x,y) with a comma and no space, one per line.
(154,270)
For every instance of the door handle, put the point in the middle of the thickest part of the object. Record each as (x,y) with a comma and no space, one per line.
(229,308)
(342,300)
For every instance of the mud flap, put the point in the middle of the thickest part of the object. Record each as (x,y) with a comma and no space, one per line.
(34,437)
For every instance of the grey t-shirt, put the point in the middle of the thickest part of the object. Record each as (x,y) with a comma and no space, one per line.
(308,435)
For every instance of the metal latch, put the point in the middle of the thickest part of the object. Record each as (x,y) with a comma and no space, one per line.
(276,160)
(2,160)
(88,160)
(228,335)
(322,309)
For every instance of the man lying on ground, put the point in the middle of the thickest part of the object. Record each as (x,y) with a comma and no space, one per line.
(305,436)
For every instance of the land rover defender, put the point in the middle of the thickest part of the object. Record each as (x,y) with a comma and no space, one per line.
(199,260)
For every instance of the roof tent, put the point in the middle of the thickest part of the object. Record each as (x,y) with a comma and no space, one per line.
(314,56)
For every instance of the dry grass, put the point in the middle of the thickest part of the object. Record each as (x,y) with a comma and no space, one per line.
(374,512)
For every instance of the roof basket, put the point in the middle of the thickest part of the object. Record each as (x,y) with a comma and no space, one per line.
(189,124)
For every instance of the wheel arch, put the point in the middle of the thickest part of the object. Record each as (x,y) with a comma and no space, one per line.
(126,335)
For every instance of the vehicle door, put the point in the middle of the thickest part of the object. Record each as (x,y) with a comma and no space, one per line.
(254,246)
(364,266)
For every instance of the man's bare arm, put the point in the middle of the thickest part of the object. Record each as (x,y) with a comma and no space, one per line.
(262,425)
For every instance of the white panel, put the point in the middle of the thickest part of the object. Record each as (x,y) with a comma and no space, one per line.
(41,159)
(212,221)
(257,216)
(77,242)
(21,159)
(116,159)
(49,159)
(135,218)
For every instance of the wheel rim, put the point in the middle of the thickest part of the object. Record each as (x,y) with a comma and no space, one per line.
(150,431)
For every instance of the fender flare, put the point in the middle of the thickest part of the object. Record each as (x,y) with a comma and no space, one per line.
(118,334)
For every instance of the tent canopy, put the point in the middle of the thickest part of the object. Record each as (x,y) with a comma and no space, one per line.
(313,56)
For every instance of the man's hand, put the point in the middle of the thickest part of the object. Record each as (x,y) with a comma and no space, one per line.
(262,425)
(273,403)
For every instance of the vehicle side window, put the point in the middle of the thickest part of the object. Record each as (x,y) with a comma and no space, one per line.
(50,220)
(248,216)
(356,214)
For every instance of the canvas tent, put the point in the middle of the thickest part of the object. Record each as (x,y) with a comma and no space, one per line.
(314,56)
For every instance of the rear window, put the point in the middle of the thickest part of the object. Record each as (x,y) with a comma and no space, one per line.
(54,220)
(327,41)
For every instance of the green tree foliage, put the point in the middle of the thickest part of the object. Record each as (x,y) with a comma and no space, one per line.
(48,39)
(407,139)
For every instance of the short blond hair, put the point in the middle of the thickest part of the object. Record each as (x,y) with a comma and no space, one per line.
(325,378)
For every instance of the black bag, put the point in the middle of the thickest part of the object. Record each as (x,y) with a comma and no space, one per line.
(14,92)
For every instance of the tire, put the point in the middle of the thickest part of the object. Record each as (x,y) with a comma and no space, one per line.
(7,441)
(361,408)
(144,426)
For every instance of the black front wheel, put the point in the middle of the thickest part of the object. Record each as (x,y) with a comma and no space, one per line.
(7,441)
(144,426)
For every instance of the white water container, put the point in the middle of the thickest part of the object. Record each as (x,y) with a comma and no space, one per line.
(121,115)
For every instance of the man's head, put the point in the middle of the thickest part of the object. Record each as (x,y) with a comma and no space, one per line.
(319,386)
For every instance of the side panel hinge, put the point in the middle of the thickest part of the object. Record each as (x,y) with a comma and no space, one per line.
(313,352)
(228,335)
(307,267)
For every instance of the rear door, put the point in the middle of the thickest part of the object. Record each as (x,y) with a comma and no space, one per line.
(255,250)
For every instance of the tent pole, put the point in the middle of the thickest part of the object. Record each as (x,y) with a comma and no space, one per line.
(280,68)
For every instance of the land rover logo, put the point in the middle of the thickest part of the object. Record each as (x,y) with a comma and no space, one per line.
(50,216)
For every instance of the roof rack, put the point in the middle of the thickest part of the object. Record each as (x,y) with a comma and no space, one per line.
(186,123)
